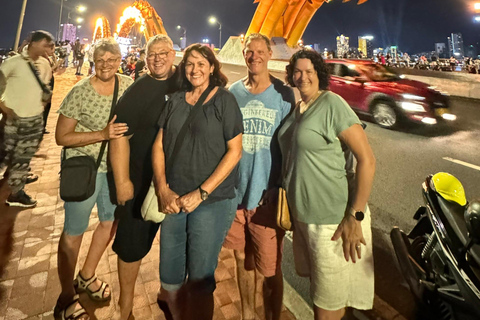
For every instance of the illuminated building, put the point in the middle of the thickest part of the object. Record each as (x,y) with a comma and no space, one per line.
(455,45)
(342,46)
(68,32)
(441,50)
(365,45)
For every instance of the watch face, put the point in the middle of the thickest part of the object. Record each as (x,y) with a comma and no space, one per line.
(359,215)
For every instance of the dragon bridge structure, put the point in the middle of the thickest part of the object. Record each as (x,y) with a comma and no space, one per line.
(283,21)
(286,19)
(140,12)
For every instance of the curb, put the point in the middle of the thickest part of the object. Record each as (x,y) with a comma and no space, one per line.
(295,303)
(303,311)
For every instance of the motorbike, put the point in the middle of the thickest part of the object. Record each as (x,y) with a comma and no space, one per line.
(440,257)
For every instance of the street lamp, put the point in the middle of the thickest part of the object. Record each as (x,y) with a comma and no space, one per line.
(184,30)
(183,39)
(214,20)
(79,9)
(79,20)
(20,25)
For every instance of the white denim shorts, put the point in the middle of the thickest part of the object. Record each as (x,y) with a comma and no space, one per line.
(334,282)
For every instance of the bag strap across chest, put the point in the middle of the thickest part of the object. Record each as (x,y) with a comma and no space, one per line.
(112,111)
(183,131)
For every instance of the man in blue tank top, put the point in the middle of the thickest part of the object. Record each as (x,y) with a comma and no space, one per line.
(256,240)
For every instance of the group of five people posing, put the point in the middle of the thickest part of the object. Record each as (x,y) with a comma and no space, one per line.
(217,157)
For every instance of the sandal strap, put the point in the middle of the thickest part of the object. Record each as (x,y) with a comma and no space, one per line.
(100,292)
(86,282)
(74,300)
(75,314)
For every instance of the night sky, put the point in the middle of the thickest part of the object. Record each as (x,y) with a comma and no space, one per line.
(413,25)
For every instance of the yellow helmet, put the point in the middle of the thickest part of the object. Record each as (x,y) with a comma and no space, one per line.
(449,187)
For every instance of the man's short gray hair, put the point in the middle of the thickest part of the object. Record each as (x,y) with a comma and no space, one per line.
(257,36)
(159,38)
(106,45)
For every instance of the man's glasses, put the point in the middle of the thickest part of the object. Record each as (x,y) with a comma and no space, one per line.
(110,62)
(161,55)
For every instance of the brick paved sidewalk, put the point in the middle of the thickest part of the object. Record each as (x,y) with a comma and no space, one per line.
(29,283)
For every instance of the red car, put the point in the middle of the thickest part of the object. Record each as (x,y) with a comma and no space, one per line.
(370,88)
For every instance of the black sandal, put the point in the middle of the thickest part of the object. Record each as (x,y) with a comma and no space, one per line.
(61,314)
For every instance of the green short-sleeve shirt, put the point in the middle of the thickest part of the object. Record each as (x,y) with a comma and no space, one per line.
(91,110)
(314,163)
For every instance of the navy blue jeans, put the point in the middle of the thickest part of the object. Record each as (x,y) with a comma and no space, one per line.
(190,245)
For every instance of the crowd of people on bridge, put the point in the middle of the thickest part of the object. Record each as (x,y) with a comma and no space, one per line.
(217,157)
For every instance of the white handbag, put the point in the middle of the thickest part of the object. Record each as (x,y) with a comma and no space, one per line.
(150,211)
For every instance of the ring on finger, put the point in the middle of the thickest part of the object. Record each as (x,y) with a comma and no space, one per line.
(358,246)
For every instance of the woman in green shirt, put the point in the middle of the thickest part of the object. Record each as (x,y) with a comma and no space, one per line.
(315,178)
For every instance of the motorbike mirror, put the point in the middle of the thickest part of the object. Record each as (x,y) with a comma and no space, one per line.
(472,219)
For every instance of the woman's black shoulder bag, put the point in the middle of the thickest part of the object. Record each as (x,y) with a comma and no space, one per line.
(78,174)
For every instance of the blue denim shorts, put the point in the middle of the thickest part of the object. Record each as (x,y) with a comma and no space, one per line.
(204,230)
(77,214)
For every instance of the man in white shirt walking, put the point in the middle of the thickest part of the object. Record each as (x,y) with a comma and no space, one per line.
(22,95)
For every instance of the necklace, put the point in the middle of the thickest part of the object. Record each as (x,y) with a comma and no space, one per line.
(305,105)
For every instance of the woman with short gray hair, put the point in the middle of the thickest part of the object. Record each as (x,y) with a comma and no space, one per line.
(82,126)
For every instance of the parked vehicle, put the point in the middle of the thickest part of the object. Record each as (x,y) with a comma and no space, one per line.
(370,88)
(440,256)
(444,65)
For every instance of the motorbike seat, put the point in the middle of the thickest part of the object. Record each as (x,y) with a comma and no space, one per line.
(454,214)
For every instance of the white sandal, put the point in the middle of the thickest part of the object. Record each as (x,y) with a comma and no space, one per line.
(81,285)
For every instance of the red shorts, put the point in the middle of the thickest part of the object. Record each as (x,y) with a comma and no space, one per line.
(255,232)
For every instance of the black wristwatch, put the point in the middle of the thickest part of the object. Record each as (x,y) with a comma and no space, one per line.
(358,215)
(203,194)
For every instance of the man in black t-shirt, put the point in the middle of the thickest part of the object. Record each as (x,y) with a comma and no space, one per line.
(131,159)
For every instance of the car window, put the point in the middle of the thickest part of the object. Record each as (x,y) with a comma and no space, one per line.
(377,72)
(331,68)
(341,70)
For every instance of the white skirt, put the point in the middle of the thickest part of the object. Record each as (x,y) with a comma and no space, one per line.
(334,282)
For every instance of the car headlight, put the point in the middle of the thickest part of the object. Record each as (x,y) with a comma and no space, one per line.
(412,106)
(409,96)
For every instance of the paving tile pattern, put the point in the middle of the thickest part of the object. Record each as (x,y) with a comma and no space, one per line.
(29,238)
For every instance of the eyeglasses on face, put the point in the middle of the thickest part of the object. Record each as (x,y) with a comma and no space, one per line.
(155,55)
(110,61)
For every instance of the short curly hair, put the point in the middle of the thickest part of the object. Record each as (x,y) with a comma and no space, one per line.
(217,78)
(105,45)
(318,63)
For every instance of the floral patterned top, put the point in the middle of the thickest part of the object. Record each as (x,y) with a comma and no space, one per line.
(91,110)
